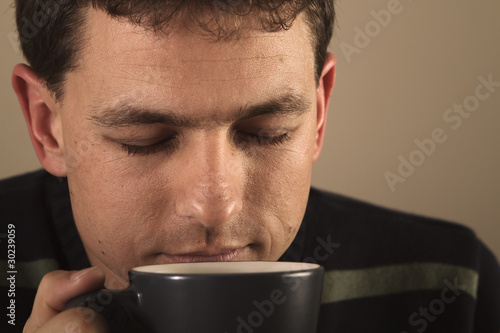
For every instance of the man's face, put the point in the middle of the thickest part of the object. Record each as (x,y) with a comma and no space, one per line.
(180,148)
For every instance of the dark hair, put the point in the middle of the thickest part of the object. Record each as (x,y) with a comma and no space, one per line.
(51,31)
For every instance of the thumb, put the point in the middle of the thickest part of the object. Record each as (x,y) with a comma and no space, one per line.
(56,289)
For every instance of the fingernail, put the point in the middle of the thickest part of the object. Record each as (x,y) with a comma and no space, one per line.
(77,275)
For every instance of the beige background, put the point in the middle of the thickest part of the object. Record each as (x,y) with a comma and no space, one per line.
(389,93)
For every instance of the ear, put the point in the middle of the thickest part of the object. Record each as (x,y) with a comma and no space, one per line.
(41,113)
(324,91)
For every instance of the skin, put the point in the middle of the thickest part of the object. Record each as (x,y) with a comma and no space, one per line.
(222,184)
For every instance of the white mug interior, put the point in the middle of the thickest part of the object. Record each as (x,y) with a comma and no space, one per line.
(227,267)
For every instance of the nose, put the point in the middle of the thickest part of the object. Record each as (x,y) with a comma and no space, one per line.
(210,182)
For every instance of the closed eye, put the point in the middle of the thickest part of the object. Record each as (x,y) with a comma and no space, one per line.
(170,144)
(262,139)
(167,146)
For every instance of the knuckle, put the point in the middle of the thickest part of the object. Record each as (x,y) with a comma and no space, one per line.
(50,279)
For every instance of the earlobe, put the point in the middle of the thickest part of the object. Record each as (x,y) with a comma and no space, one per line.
(43,121)
(324,91)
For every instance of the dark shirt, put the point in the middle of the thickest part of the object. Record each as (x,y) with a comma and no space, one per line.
(386,271)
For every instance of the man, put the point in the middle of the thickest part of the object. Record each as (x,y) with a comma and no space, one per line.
(180,131)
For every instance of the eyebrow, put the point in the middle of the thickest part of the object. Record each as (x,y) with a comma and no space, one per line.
(128,114)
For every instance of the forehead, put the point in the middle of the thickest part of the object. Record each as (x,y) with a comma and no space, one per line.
(120,61)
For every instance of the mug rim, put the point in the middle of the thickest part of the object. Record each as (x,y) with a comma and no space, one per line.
(226,268)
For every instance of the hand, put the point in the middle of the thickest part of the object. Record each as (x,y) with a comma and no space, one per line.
(55,290)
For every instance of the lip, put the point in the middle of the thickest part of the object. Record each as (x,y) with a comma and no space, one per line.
(204,256)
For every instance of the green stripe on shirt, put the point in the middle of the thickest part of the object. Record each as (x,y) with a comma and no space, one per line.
(342,285)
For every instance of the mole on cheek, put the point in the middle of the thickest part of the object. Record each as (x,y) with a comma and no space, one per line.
(100,242)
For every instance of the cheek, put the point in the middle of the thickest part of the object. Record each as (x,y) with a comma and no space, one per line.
(288,168)
(117,212)
(115,190)
(111,198)
(280,184)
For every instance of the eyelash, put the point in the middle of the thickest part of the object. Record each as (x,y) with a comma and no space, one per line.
(166,145)
(263,140)
(169,145)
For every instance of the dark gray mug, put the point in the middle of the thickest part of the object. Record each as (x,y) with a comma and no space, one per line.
(218,297)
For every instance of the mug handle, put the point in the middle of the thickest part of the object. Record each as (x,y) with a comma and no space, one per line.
(120,308)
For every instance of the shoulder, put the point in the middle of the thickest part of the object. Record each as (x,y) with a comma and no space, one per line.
(372,235)
(341,211)
(21,196)
(31,203)
(331,206)
(384,255)
(22,190)
(25,182)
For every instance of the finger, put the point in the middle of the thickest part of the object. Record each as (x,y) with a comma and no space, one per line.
(72,321)
(56,289)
